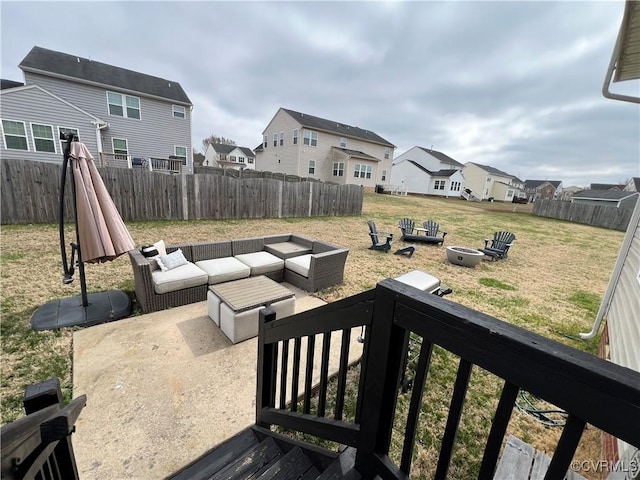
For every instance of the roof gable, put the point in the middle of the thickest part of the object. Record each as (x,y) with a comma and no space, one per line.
(336,128)
(442,157)
(494,171)
(57,64)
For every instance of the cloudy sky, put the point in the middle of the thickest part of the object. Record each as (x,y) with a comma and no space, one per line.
(515,85)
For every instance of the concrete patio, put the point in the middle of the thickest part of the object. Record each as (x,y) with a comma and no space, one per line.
(162,389)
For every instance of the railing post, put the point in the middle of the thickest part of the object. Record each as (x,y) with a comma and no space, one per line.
(42,395)
(267,358)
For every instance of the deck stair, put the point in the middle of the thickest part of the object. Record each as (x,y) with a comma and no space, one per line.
(469,197)
(257,453)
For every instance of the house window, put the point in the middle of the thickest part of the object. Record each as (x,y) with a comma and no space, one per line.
(240,159)
(120,148)
(310,138)
(281,138)
(362,171)
(387,153)
(439,185)
(295,136)
(338,169)
(123,105)
(384,175)
(275,139)
(15,135)
(343,142)
(509,193)
(179,111)
(250,160)
(455,186)
(488,179)
(43,138)
(181,153)
(265,141)
(232,158)
(312,167)
(64,131)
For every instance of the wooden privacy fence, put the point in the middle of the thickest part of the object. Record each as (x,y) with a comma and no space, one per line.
(30,194)
(595,215)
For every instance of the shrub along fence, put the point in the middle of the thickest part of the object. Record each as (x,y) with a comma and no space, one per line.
(595,215)
(31,192)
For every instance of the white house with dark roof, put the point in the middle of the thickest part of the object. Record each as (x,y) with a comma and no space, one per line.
(485,182)
(118,113)
(300,144)
(428,172)
(229,156)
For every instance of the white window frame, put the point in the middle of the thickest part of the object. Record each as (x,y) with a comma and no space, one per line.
(34,138)
(240,159)
(123,105)
(60,128)
(265,141)
(312,167)
(4,135)
(510,193)
(113,147)
(250,160)
(310,137)
(232,158)
(338,169)
(281,139)
(275,139)
(362,170)
(182,157)
(179,111)
(387,153)
(295,136)
(343,142)
(384,175)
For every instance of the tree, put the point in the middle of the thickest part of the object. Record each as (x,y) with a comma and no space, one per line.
(198,158)
(216,139)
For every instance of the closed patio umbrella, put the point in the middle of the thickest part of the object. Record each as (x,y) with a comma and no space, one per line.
(100,236)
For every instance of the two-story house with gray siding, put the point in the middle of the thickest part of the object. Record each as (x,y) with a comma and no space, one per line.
(300,144)
(486,182)
(118,113)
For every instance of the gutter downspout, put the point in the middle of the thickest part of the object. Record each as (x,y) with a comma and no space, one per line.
(617,270)
(100,125)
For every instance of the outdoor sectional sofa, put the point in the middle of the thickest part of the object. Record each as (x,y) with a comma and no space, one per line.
(305,263)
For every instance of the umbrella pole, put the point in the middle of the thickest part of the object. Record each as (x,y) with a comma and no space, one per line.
(68,270)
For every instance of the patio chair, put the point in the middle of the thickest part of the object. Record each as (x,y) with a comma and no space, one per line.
(499,245)
(431,230)
(377,244)
(412,234)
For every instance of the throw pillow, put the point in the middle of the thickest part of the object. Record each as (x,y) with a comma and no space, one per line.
(171,261)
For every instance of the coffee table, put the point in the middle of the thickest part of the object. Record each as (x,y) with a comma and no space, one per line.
(235,306)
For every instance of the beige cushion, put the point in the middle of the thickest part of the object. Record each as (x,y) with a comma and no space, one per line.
(224,269)
(419,279)
(300,265)
(261,262)
(178,278)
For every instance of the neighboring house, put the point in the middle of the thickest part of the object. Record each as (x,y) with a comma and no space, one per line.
(300,144)
(487,182)
(612,198)
(633,185)
(424,171)
(229,156)
(117,113)
(568,192)
(542,189)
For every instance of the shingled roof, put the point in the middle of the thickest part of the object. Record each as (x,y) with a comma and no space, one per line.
(494,171)
(337,128)
(612,195)
(439,173)
(442,157)
(533,184)
(56,64)
(226,149)
(5,84)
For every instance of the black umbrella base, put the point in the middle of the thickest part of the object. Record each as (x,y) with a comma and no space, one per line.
(68,312)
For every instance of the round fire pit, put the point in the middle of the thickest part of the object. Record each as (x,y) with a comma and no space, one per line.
(467,257)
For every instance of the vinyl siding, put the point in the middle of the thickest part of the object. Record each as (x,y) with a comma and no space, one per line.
(294,159)
(409,177)
(34,105)
(475,179)
(154,135)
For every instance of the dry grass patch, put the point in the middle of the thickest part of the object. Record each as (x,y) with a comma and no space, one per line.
(551,283)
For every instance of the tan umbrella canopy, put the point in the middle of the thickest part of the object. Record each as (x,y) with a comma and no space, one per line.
(103,234)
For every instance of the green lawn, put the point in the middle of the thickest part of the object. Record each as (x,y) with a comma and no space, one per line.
(552,284)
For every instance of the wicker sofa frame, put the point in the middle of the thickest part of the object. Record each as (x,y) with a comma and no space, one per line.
(326,268)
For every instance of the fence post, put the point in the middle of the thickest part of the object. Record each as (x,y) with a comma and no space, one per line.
(185,200)
(310,198)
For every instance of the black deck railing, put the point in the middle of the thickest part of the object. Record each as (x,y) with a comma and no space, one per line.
(589,389)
